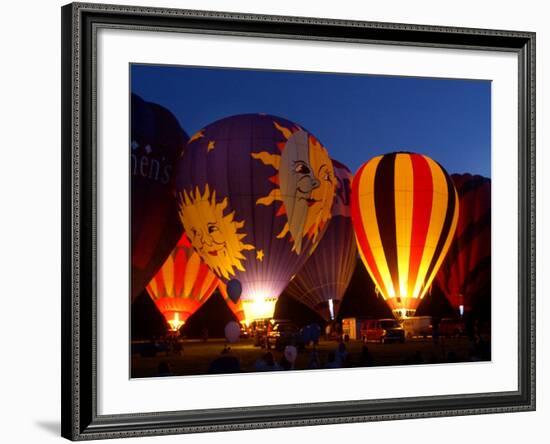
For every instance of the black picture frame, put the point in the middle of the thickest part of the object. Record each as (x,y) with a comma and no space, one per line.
(79,210)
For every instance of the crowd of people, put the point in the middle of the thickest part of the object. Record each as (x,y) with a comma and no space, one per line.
(339,356)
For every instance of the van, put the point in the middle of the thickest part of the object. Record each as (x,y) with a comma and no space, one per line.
(382,330)
(417,326)
(283,333)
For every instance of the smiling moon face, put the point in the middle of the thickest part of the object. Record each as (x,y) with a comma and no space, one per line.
(322,196)
(296,183)
(307,185)
(213,235)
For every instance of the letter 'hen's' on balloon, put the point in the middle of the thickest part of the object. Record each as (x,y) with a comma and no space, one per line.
(157,142)
(405,211)
(323,280)
(182,285)
(466,271)
(255,194)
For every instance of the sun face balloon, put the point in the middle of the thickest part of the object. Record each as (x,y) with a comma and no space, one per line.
(322,281)
(182,285)
(405,211)
(157,141)
(214,235)
(255,196)
(466,272)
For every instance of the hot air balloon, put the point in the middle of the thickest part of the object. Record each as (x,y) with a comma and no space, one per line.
(157,141)
(182,285)
(255,194)
(323,280)
(235,307)
(466,271)
(405,211)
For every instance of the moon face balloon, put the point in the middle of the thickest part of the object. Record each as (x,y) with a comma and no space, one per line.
(255,196)
(405,212)
(157,141)
(466,272)
(322,281)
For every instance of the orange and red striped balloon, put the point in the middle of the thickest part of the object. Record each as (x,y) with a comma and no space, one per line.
(182,285)
(404,211)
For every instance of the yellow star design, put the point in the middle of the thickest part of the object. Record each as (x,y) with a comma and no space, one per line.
(260,255)
(211,146)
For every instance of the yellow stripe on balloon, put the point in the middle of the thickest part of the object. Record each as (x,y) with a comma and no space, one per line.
(367,209)
(191,272)
(437,219)
(152,288)
(403,185)
(445,246)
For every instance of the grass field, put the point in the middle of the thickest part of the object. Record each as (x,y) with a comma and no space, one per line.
(195,356)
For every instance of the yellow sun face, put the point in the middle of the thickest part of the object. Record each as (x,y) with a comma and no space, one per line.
(212,234)
(306,180)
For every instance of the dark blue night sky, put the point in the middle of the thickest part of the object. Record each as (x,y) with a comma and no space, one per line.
(355,116)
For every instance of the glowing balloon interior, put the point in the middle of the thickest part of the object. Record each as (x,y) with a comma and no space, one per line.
(323,280)
(255,194)
(182,284)
(405,212)
(466,271)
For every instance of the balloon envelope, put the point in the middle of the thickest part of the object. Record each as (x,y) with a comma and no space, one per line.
(232,331)
(182,284)
(234,290)
(322,281)
(405,212)
(290,353)
(255,194)
(235,307)
(157,141)
(466,271)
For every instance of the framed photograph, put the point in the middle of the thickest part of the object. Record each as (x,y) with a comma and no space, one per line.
(278,221)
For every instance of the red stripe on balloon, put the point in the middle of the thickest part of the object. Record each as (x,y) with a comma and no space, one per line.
(180,263)
(422,210)
(184,241)
(211,287)
(362,240)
